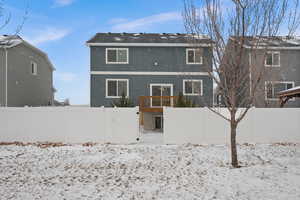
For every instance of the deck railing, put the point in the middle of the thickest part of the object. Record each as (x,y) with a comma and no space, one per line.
(156,103)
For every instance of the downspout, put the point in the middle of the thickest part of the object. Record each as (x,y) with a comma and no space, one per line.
(6,67)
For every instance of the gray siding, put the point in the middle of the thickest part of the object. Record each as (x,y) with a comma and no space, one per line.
(141,59)
(289,70)
(170,59)
(2,77)
(139,85)
(23,87)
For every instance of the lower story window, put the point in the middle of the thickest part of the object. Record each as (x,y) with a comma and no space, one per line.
(115,88)
(192,87)
(272,88)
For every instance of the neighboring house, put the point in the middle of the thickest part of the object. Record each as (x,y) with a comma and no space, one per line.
(26,74)
(278,60)
(150,69)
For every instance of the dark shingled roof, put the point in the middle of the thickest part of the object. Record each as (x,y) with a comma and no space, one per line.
(276,41)
(147,38)
(7,41)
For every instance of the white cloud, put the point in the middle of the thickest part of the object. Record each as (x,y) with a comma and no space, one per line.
(47,35)
(117,21)
(142,23)
(63,2)
(65,76)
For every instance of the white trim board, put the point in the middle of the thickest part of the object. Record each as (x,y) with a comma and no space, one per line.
(149,73)
(150,44)
(271,48)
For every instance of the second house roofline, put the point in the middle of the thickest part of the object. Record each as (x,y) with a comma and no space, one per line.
(149,39)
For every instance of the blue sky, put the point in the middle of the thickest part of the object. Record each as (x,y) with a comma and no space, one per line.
(61,27)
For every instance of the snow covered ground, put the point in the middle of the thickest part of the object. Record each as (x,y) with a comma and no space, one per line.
(149,172)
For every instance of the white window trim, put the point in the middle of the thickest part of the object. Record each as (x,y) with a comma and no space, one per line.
(160,84)
(193,94)
(274,82)
(35,68)
(273,52)
(187,57)
(115,97)
(106,56)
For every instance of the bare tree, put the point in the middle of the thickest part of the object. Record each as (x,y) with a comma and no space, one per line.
(239,28)
(5,18)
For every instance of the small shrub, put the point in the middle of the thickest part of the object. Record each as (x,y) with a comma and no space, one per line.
(183,101)
(123,102)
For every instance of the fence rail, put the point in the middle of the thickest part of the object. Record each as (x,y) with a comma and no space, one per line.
(156,103)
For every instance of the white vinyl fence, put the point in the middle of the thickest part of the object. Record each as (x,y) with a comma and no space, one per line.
(69,125)
(202,126)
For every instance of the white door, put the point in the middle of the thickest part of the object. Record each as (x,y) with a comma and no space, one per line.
(160,90)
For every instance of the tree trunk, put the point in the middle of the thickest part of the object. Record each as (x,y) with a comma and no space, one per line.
(234,159)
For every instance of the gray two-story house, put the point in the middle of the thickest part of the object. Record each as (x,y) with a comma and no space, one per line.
(151,70)
(26,74)
(279,59)
(272,64)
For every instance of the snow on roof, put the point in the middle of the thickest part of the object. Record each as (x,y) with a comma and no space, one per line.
(275,41)
(148,38)
(8,41)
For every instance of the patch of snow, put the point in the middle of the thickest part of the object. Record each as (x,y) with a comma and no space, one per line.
(149,172)
(10,41)
(118,39)
(152,138)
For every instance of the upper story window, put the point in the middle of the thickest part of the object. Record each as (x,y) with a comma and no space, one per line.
(272,59)
(33,68)
(115,88)
(116,55)
(192,87)
(272,88)
(194,56)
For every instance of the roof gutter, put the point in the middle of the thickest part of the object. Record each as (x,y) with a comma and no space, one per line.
(271,47)
(151,44)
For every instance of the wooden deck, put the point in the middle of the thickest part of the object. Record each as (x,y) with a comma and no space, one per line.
(155,103)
